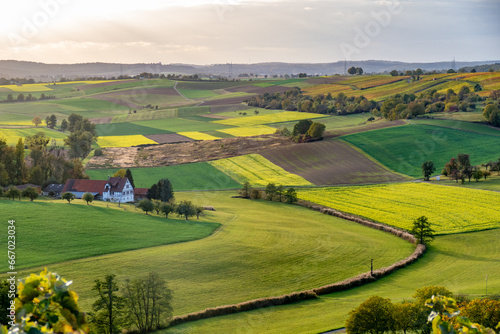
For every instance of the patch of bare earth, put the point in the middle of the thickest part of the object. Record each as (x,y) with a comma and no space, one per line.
(330,162)
(196,151)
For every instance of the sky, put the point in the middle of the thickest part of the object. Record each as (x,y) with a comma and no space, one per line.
(249,31)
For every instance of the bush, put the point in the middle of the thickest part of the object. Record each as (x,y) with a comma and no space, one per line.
(98,152)
(372,316)
(255,194)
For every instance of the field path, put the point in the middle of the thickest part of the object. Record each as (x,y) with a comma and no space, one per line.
(178,92)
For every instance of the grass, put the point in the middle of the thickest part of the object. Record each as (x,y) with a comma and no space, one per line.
(445,264)
(248,131)
(469,116)
(332,122)
(259,251)
(146,115)
(195,176)
(124,141)
(491,183)
(460,125)
(197,135)
(284,116)
(449,209)
(418,143)
(89,104)
(257,170)
(55,232)
(15,119)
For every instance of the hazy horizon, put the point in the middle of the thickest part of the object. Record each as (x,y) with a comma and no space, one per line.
(206,32)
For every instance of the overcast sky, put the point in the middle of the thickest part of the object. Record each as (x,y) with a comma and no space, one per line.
(249,31)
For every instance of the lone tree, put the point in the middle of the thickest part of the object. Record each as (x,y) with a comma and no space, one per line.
(88,197)
(427,169)
(68,196)
(422,230)
(13,192)
(146,205)
(36,120)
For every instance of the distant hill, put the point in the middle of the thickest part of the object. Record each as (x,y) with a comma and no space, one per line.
(47,72)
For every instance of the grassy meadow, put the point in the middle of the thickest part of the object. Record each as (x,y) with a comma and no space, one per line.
(195,176)
(258,251)
(417,143)
(54,232)
(459,262)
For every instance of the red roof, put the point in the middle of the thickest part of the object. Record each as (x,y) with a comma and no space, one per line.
(141,191)
(117,183)
(91,186)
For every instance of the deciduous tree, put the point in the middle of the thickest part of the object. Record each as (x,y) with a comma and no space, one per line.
(146,205)
(186,209)
(427,169)
(374,316)
(36,120)
(108,309)
(88,197)
(31,193)
(422,230)
(68,196)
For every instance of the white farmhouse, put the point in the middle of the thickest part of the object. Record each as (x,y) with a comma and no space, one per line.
(118,189)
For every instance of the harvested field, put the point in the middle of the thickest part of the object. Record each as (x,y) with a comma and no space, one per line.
(330,162)
(169,138)
(196,151)
(363,128)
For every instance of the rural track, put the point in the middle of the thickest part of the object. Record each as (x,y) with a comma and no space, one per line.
(178,92)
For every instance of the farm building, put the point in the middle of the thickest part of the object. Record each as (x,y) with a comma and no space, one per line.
(115,189)
(141,193)
(54,188)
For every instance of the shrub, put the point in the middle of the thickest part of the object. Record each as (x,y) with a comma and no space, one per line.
(98,152)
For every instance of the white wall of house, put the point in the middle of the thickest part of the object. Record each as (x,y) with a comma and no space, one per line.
(125,196)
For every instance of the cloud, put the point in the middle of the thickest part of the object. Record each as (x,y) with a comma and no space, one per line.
(268,30)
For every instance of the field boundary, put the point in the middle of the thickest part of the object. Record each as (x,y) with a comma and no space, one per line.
(344,285)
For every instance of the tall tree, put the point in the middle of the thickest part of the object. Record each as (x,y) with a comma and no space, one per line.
(108,307)
(128,174)
(30,193)
(422,230)
(148,302)
(166,190)
(245,190)
(427,169)
(20,164)
(351,70)
(64,125)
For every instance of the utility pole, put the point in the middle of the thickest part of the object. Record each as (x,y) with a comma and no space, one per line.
(371,268)
(486,285)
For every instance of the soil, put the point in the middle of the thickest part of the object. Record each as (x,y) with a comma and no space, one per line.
(181,153)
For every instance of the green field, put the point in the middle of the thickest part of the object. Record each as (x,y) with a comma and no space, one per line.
(259,251)
(196,176)
(82,231)
(447,263)
(449,209)
(460,125)
(197,93)
(404,148)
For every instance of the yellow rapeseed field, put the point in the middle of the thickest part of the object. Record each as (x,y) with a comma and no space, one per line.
(124,141)
(42,87)
(449,209)
(248,131)
(284,116)
(257,170)
(197,135)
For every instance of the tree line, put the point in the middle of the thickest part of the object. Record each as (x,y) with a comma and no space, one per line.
(27,98)
(271,193)
(295,100)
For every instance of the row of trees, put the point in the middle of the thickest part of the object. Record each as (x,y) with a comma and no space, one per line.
(295,100)
(402,106)
(272,193)
(26,98)
(491,112)
(379,315)
(13,193)
(460,168)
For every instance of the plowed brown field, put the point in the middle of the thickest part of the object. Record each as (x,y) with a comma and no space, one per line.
(330,162)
